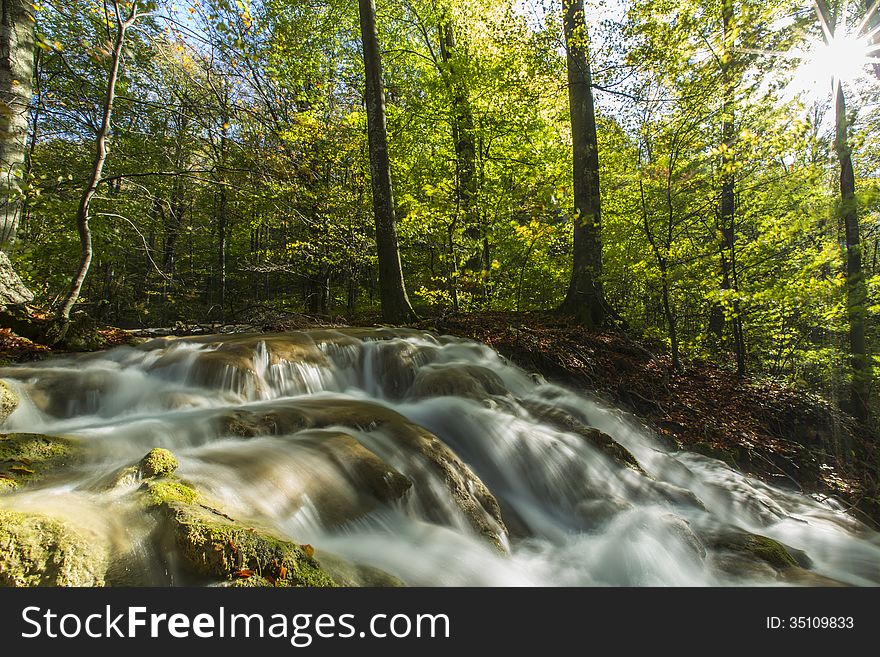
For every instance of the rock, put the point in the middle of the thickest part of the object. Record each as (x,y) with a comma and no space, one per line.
(158,462)
(65,392)
(470,381)
(562,420)
(28,457)
(13,291)
(213,545)
(37,550)
(8,399)
(162,492)
(469,493)
(804,577)
(337,478)
(753,546)
(363,468)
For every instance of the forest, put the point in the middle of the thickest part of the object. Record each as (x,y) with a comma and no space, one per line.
(236,171)
(695,183)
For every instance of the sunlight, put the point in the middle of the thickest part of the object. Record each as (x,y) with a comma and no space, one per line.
(841,56)
(844,57)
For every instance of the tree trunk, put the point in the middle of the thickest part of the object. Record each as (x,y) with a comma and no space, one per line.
(16,85)
(585,299)
(727,204)
(82,214)
(856,289)
(395,303)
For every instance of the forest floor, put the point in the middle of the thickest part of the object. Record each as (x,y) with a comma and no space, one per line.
(780,434)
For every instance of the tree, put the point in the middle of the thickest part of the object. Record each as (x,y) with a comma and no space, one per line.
(585,298)
(392,290)
(16,74)
(727,202)
(856,288)
(122,23)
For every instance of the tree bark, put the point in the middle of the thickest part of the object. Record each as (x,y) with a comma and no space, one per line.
(16,86)
(82,214)
(395,303)
(727,202)
(856,289)
(584,299)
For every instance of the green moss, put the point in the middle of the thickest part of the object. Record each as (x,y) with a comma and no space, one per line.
(756,546)
(214,545)
(770,551)
(158,462)
(8,400)
(164,491)
(39,551)
(28,457)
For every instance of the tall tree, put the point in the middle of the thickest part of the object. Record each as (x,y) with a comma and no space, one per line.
(585,298)
(123,21)
(16,80)
(856,288)
(727,202)
(392,290)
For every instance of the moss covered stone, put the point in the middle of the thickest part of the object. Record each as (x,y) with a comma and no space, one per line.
(37,550)
(28,457)
(757,547)
(8,400)
(214,545)
(164,491)
(158,462)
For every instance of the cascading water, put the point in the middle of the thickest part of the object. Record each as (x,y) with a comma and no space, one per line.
(430,458)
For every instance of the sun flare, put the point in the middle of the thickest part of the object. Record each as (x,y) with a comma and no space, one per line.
(842,57)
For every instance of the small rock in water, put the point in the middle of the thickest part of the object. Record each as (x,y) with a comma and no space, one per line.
(158,462)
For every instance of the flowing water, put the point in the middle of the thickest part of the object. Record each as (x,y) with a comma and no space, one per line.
(286,431)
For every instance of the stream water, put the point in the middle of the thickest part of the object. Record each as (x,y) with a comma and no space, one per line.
(285,431)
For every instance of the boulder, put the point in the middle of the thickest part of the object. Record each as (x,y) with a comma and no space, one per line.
(28,457)
(562,420)
(470,494)
(213,545)
(36,550)
(8,400)
(158,462)
(13,291)
(470,381)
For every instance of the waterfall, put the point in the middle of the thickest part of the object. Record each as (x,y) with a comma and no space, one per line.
(431,458)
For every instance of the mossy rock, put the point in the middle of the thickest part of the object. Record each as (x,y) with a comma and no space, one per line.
(8,400)
(213,545)
(161,492)
(755,546)
(28,457)
(158,463)
(37,550)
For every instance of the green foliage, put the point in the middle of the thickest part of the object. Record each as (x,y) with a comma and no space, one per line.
(238,176)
